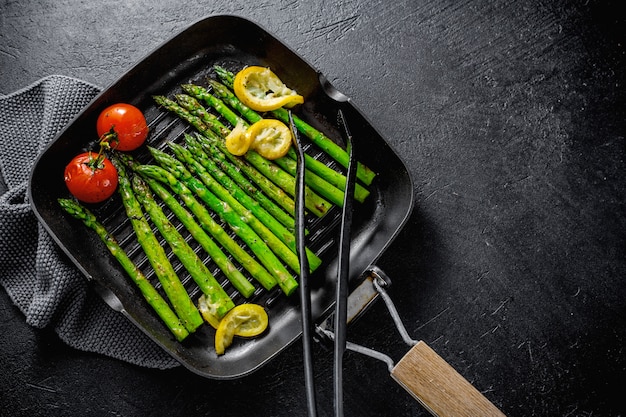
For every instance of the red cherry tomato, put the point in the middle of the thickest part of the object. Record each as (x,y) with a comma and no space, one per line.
(90,177)
(124,126)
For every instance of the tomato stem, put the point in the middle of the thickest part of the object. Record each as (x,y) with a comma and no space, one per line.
(109,137)
(97,162)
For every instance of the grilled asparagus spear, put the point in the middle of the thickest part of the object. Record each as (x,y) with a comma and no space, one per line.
(173,287)
(152,296)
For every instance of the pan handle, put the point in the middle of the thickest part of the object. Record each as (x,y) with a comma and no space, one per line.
(439,387)
(433,382)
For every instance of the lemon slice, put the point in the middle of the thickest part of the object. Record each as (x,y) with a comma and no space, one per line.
(244,320)
(238,141)
(261,90)
(209,313)
(271,138)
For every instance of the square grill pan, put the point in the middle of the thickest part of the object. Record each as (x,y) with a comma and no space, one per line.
(231,42)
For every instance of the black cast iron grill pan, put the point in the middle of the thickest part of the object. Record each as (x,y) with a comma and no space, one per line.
(231,42)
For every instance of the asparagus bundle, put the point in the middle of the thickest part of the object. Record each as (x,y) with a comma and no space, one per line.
(231,193)
(173,287)
(226,172)
(206,221)
(211,128)
(236,278)
(314,181)
(218,301)
(228,191)
(220,201)
(287,283)
(151,295)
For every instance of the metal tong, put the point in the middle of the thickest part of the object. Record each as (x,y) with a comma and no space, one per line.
(423,373)
(343,270)
(305,291)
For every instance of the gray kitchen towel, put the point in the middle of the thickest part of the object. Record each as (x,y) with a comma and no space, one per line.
(36,274)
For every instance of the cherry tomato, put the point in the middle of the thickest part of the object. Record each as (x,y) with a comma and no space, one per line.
(123,126)
(90,177)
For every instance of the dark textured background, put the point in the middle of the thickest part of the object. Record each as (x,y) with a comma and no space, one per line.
(510,116)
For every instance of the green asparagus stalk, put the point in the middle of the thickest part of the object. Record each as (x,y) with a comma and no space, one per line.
(151,295)
(218,301)
(205,184)
(269,228)
(173,287)
(226,76)
(236,278)
(206,221)
(225,171)
(335,151)
(334,178)
(314,203)
(286,281)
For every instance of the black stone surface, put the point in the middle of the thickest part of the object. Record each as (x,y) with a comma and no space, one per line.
(510,116)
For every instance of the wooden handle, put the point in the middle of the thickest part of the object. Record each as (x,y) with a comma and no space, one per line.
(439,387)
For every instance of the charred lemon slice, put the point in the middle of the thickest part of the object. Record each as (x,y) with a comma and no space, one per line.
(271,138)
(261,90)
(238,141)
(209,312)
(244,320)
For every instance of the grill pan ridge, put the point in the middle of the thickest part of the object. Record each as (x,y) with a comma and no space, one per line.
(232,42)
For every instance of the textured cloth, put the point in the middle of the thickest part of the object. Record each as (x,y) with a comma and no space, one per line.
(38,277)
